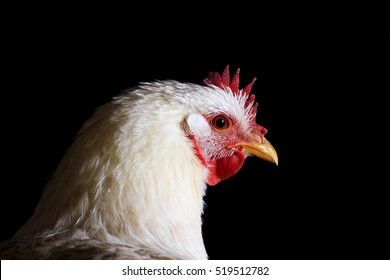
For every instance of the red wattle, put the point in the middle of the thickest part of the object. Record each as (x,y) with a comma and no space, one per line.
(223,168)
(219,169)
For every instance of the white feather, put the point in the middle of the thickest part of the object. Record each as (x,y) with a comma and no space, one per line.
(131,177)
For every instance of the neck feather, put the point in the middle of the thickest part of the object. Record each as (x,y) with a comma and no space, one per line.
(123,183)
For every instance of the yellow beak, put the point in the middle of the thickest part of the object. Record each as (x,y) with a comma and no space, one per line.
(261,148)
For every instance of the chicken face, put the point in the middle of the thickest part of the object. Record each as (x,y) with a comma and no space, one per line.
(222,139)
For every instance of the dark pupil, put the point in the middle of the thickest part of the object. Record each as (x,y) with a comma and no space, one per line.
(220,123)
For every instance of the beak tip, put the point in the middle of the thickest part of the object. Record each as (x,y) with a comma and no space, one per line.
(274,159)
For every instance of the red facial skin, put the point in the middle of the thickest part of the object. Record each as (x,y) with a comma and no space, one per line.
(225,167)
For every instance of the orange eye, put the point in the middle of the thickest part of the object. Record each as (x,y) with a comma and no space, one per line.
(221,122)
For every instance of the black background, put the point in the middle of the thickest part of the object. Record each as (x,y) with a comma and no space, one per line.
(317,79)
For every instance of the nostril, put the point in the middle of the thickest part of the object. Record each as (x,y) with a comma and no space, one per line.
(261,130)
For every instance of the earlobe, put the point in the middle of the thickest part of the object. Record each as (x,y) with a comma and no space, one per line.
(197,128)
(197,125)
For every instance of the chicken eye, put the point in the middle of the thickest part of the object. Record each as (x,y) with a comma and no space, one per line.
(221,122)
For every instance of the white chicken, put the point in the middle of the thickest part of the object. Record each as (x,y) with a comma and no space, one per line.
(132,184)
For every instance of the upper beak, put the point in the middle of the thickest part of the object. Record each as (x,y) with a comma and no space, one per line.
(260,147)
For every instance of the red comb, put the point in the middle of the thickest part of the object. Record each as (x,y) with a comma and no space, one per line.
(224,81)
(214,78)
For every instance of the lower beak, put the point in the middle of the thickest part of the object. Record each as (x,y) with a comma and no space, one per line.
(261,148)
